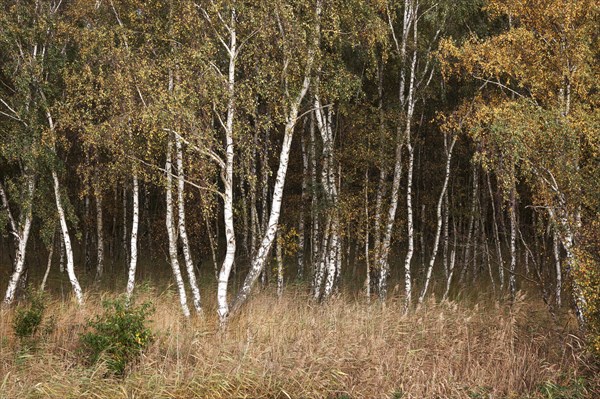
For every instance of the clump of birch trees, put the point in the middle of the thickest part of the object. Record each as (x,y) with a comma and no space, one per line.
(430,146)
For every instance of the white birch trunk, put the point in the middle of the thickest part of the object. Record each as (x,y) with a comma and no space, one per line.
(49,263)
(189,263)
(67,241)
(172,234)
(314,212)
(411,158)
(409,19)
(21,234)
(381,186)
(556,251)
(134,234)
(513,244)
(410,230)
(265,172)
(438,232)
(61,261)
(323,259)
(222,305)
(254,223)
(332,242)
(259,259)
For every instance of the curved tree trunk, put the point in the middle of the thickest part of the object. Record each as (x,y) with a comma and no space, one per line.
(67,241)
(172,234)
(21,234)
(438,232)
(187,255)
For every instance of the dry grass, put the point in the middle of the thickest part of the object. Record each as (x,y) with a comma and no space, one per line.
(294,348)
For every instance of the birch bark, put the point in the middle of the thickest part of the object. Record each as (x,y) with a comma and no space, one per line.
(67,240)
(556,251)
(20,232)
(134,233)
(222,304)
(187,256)
(438,232)
(258,261)
(172,234)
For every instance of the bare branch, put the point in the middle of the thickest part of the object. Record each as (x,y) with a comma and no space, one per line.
(5,205)
(206,151)
(156,167)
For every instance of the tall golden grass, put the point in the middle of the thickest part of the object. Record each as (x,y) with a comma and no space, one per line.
(294,348)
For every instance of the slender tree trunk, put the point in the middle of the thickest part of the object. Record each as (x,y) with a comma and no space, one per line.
(331,249)
(301,232)
(49,264)
(513,244)
(61,261)
(556,251)
(211,241)
(189,263)
(172,233)
(134,235)
(467,252)
(113,241)
(496,236)
(487,253)
(279,266)
(384,247)
(410,229)
(451,268)
(254,223)
(21,234)
(244,209)
(86,230)
(411,156)
(124,237)
(100,236)
(265,171)
(223,306)
(259,259)
(438,232)
(67,241)
(314,211)
(381,184)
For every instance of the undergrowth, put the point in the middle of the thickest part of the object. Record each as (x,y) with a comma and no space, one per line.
(294,348)
(118,336)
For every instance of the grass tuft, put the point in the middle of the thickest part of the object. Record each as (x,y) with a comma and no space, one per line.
(294,348)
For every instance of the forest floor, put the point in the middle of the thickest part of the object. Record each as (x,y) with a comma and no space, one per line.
(294,348)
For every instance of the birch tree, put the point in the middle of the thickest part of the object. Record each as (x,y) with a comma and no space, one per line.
(291,117)
(538,104)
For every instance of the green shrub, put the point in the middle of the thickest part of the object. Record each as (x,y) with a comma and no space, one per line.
(118,336)
(29,318)
(574,389)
